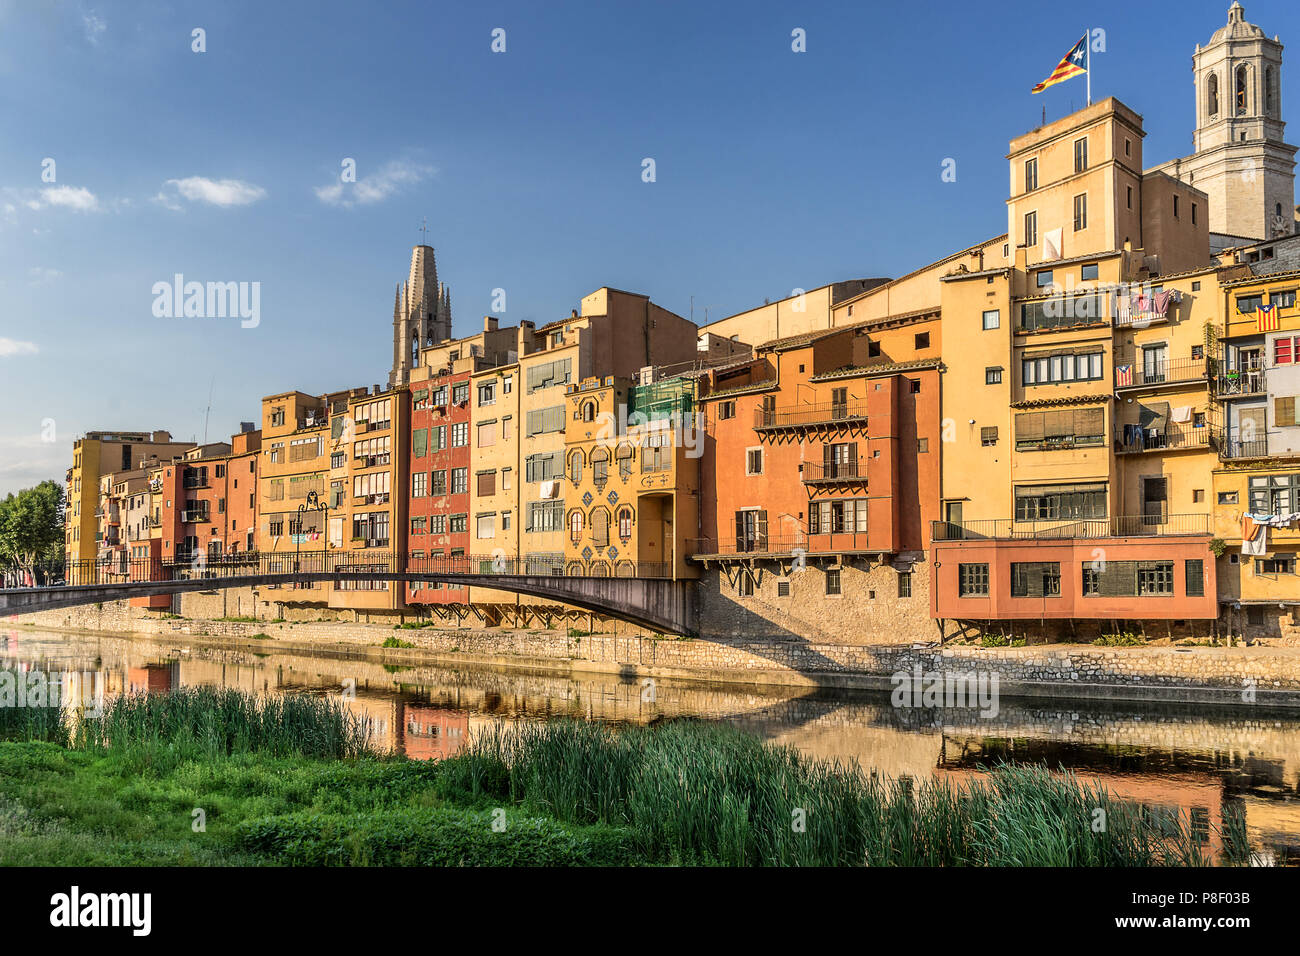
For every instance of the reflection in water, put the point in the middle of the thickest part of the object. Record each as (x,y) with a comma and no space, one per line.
(1198,759)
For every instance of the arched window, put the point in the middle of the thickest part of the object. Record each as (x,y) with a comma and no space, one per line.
(625,520)
(625,457)
(415,350)
(588,411)
(575,525)
(600,467)
(575,466)
(1270,78)
(1240,92)
(1212,98)
(599,569)
(575,570)
(600,527)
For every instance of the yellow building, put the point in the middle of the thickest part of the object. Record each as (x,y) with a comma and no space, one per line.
(631,476)
(93,456)
(1257,482)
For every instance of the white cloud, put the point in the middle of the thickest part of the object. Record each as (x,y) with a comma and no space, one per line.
(216,192)
(93,25)
(11,347)
(76,198)
(391,178)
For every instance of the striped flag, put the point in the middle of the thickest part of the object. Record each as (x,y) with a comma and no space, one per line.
(1267,319)
(1123,375)
(1071,65)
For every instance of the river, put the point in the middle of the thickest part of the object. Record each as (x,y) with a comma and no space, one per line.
(1192,757)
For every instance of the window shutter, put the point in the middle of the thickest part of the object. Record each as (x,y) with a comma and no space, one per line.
(740,526)
(1284,411)
(420,442)
(600,527)
(762,530)
(1089,421)
(1029,426)
(828,457)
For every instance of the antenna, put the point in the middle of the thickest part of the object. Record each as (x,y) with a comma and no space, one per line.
(424,230)
(208,411)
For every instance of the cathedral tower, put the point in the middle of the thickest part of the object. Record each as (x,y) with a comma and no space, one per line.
(1241,161)
(421,314)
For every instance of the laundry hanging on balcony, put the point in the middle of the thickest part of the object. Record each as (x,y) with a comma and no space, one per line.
(1182,414)
(1254,537)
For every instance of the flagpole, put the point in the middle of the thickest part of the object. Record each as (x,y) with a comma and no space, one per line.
(1087,45)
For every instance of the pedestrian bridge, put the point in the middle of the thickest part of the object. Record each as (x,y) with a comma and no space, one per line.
(648,597)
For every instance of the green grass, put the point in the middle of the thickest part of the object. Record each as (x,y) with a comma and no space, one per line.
(290,781)
(396,642)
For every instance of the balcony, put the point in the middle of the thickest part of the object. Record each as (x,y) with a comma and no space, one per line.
(189,482)
(837,542)
(1118,526)
(1237,382)
(1235,448)
(811,416)
(1157,374)
(1171,438)
(190,517)
(835,472)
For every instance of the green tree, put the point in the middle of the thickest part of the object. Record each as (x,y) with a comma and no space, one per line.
(31,526)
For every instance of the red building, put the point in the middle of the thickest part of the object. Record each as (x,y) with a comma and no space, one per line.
(440,474)
(209,501)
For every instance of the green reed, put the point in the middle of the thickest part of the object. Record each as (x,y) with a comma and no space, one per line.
(31,713)
(696,793)
(213,722)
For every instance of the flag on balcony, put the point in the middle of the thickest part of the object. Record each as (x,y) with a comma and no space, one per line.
(1267,319)
(1123,375)
(1071,65)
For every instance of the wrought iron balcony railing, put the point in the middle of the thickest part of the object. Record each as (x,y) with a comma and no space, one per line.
(1116,526)
(802,416)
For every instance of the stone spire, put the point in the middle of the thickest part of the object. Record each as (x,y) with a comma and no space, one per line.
(421,314)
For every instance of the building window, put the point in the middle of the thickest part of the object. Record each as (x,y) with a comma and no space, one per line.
(1275,494)
(993,376)
(1089,271)
(1043,278)
(1031,228)
(1069,367)
(922,445)
(1080,155)
(460,481)
(873,349)
(745,584)
(905,584)
(1055,502)
(438,482)
(989,435)
(726,410)
(1279,564)
(916,385)
(1194,575)
(1155,577)
(782,588)
(419,485)
(972,580)
(457,524)
(1035,579)
(992,319)
(1247,304)
(1212,96)
(1193,214)
(1031,175)
(1284,412)
(1080,212)
(922,340)
(1227,497)
(460,434)
(753,461)
(844,516)
(485,525)
(1128,197)
(833,581)
(1175,207)
(1286,349)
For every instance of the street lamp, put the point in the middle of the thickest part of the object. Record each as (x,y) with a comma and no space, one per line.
(313,503)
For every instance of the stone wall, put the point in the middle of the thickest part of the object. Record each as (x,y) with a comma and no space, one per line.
(1207,674)
(793,603)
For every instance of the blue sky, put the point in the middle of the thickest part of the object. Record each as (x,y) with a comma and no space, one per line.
(774,170)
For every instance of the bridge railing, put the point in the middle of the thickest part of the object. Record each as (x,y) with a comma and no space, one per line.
(252,564)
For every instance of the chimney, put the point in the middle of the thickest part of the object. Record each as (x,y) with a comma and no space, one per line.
(489,323)
(573,314)
(246,426)
(374,389)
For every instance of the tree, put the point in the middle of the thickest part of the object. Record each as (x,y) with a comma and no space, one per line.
(31,526)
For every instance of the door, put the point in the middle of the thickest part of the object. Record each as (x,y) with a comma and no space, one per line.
(1155,500)
(1251,426)
(952,516)
(1153,365)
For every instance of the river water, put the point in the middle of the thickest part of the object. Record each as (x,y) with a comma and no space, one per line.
(1192,757)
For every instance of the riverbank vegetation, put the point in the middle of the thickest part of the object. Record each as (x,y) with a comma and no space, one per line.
(203,776)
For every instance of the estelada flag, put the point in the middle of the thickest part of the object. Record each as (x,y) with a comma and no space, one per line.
(1267,319)
(1071,65)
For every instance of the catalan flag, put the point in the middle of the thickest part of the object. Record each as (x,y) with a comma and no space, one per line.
(1072,64)
(1267,318)
(1123,376)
